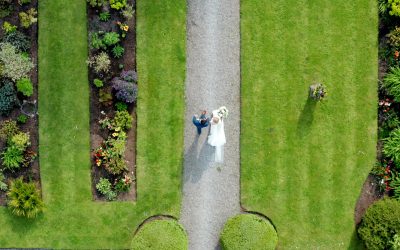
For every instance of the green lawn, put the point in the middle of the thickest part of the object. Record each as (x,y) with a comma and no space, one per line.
(303,164)
(72,220)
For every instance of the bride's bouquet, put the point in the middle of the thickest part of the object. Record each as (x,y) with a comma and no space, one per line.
(223,112)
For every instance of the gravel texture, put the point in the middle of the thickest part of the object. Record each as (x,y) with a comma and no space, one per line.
(211,190)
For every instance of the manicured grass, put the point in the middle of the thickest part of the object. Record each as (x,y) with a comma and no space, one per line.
(248,231)
(72,220)
(304,163)
(165,234)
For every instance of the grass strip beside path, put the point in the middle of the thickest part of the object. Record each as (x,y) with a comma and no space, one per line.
(72,220)
(303,164)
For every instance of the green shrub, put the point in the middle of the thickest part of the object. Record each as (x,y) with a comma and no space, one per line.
(394,37)
(19,40)
(117,4)
(392,83)
(248,231)
(9,28)
(121,106)
(390,122)
(128,12)
(116,165)
(118,51)
(391,147)
(105,96)
(8,128)
(395,242)
(20,140)
(6,7)
(105,188)
(111,38)
(395,185)
(98,83)
(166,234)
(100,63)
(28,18)
(24,85)
(24,199)
(123,184)
(3,185)
(123,120)
(22,2)
(22,119)
(96,42)
(380,223)
(97,3)
(12,158)
(8,98)
(104,16)
(15,65)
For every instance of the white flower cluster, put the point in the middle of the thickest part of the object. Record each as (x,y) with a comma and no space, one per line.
(223,112)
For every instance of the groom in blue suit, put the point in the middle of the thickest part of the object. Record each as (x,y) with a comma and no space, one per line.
(201,122)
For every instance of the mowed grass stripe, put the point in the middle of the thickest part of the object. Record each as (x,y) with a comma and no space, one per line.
(319,142)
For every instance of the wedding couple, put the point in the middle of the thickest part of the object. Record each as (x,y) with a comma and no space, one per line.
(216,138)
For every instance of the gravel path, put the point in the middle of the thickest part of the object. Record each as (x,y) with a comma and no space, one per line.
(211,190)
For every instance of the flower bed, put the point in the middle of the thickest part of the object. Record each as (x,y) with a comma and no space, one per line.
(113,84)
(18,93)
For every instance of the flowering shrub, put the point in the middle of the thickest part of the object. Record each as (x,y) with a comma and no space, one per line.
(125,87)
(123,184)
(100,63)
(15,65)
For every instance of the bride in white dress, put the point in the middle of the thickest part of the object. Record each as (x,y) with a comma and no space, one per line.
(217,134)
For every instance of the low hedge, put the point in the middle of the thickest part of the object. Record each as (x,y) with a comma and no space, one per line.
(248,231)
(166,234)
(380,223)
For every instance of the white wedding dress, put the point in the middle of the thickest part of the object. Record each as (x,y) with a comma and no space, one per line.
(217,137)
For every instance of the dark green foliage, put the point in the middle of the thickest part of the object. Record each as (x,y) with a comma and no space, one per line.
(8,128)
(392,83)
(165,234)
(24,85)
(121,106)
(8,98)
(105,188)
(19,40)
(123,120)
(24,199)
(391,121)
(380,223)
(111,38)
(248,231)
(104,16)
(118,51)
(395,185)
(96,42)
(12,158)
(22,119)
(6,7)
(391,147)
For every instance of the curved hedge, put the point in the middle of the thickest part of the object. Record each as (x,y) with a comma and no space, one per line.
(166,234)
(248,231)
(380,223)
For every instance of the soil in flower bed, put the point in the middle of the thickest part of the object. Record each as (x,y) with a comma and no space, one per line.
(99,110)
(32,173)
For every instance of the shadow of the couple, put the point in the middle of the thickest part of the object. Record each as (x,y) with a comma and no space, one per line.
(197,160)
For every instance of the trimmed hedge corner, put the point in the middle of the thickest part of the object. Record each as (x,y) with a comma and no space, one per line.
(166,234)
(248,231)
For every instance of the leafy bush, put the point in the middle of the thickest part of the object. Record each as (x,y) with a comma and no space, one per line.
(394,37)
(128,12)
(111,38)
(392,83)
(9,28)
(115,165)
(123,184)
(117,4)
(121,106)
(123,120)
(15,65)
(22,119)
(248,231)
(24,85)
(105,96)
(390,122)
(395,242)
(12,158)
(163,234)
(100,63)
(22,2)
(8,128)
(125,87)
(20,140)
(105,188)
(118,51)
(395,185)
(24,199)
(19,40)
(97,3)
(8,98)
(28,18)
(380,223)
(98,83)
(104,16)
(96,42)
(391,146)
(3,185)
